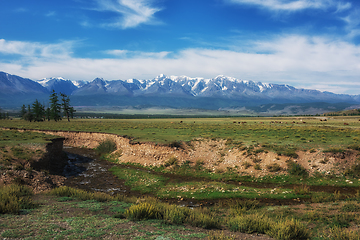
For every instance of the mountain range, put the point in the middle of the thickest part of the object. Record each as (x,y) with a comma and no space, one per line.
(220,92)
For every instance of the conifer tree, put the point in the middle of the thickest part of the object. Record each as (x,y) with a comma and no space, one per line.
(55,107)
(29,116)
(38,111)
(23,111)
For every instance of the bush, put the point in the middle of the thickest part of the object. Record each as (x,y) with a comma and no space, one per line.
(13,198)
(302,190)
(250,224)
(172,161)
(296,169)
(337,233)
(353,171)
(282,230)
(203,220)
(172,214)
(105,147)
(350,207)
(176,215)
(274,167)
(143,211)
(289,229)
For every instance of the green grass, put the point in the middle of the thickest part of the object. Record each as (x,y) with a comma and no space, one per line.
(14,137)
(13,198)
(283,138)
(160,186)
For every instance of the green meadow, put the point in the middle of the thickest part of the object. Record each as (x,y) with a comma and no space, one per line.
(248,208)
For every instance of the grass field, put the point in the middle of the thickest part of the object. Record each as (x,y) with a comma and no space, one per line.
(326,215)
(301,132)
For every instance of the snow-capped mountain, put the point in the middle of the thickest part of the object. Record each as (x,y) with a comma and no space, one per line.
(218,87)
(164,91)
(60,84)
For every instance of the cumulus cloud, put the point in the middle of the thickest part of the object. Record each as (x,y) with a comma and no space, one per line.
(131,13)
(295,5)
(312,62)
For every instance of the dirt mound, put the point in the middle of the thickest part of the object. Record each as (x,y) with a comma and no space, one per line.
(215,155)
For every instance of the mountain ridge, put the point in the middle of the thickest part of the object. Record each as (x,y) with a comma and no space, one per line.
(166,91)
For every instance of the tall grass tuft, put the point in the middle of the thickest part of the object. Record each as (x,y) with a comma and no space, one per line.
(296,169)
(337,233)
(13,198)
(289,229)
(105,147)
(143,211)
(172,214)
(250,223)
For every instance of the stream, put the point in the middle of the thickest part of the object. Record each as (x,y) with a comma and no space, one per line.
(85,170)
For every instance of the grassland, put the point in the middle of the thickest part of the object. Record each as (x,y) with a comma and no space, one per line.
(301,133)
(325,215)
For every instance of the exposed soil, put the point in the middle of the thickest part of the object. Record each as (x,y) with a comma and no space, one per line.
(215,155)
(21,171)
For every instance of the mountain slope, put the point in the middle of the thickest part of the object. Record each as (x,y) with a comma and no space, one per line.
(220,92)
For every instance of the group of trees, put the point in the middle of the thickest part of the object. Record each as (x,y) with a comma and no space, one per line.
(37,112)
(4,115)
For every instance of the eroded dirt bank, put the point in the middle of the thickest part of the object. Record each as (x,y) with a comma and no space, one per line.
(214,154)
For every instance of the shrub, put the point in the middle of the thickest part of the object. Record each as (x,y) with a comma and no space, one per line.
(143,211)
(257,167)
(353,171)
(176,215)
(350,207)
(250,223)
(274,167)
(246,165)
(13,198)
(203,220)
(172,161)
(282,230)
(289,229)
(105,147)
(337,233)
(296,169)
(244,205)
(301,190)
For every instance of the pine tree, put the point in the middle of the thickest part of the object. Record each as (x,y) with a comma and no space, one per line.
(23,111)
(29,116)
(38,111)
(55,107)
(48,114)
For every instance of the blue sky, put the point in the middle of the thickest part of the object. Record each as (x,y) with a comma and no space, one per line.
(304,43)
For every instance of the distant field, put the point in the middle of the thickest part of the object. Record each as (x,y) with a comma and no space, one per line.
(300,133)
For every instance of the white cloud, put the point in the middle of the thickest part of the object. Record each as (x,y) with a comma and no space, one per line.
(33,49)
(294,5)
(137,54)
(353,23)
(131,13)
(315,62)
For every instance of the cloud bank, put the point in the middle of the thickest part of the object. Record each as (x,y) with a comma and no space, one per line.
(309,62)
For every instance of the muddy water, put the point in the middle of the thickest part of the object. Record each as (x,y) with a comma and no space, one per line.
(85,170)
